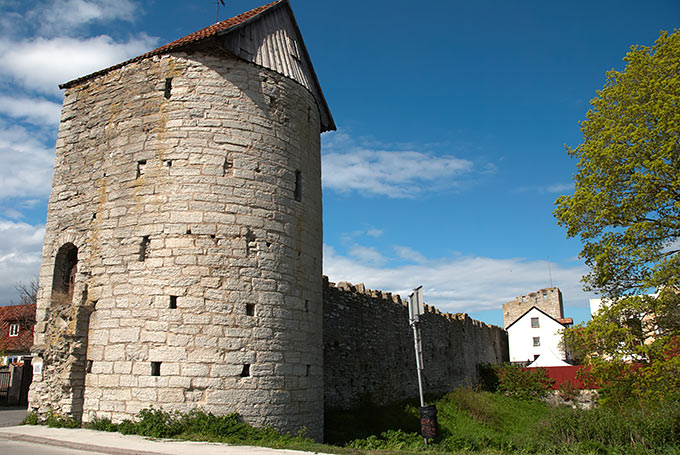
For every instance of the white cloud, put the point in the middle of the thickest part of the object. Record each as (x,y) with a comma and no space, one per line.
(42,64)
(409,254)
(458,284)
(20,256)
(560,187)
(67,16)
(349,167)
(367,255)
(374,232)
(38,111)
(27,164)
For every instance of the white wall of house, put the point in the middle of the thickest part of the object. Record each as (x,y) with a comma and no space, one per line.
(521,337)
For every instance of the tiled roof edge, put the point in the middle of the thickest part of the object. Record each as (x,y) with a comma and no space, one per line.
(200,35)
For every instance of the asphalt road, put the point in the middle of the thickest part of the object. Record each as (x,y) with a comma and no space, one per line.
(11,415)
(27,448)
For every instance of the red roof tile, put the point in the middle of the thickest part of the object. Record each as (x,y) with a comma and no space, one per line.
(24,315)
(200,35)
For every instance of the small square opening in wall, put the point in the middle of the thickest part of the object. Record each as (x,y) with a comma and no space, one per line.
(246,371)
(155,368)
(250,309)
(173,302)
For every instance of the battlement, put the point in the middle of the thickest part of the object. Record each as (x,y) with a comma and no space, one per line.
(548,300)
(368,346)
(389,298)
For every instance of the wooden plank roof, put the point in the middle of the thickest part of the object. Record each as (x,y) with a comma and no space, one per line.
(267,36)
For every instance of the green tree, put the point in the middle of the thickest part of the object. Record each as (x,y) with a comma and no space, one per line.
(626,203)
(626,211)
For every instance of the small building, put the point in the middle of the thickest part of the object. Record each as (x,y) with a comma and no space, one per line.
(537,334)
(16,333)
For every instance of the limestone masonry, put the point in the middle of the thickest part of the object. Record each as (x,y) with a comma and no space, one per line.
(183,248)
(549,300)
(369,354)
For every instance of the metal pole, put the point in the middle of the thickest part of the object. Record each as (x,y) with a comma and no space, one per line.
(419,357)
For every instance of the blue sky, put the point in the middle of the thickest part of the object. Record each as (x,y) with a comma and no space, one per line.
(452,119)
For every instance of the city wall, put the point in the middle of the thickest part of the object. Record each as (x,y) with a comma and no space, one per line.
(369,354)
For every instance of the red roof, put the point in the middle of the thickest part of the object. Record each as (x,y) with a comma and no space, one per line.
(24,316)
(200,35)
(565,321)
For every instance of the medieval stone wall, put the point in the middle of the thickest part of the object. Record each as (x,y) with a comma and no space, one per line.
(187,200)
(369,353)
(548,300)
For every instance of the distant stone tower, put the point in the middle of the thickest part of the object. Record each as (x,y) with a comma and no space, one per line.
(182,257)
(548,300)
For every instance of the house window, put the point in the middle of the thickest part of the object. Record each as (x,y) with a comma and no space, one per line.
(14,329)
(534,323)
(537,341)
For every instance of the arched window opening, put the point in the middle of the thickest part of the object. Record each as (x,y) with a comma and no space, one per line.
(65,268)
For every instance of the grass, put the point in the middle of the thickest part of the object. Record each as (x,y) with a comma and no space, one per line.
(469,422)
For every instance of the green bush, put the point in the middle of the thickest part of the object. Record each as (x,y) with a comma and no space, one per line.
(101,425)
(523,383)
(58,421)
(31,419)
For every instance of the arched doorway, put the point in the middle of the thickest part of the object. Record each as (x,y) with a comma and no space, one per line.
(65,268)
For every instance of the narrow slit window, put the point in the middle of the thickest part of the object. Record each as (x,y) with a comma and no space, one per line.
(173,302)
(144,248)
(88,367)
(306,306)
(308,370)
(298,186)
(227,166)
(155,368)
(141,168)
(168,88)
(250,309)
(246,371)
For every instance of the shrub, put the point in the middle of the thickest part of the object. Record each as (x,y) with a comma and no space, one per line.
(101,425)
(31,419)
(58,421)
(523,383)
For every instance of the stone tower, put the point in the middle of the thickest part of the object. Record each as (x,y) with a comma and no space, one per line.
(182,257)
(549,300)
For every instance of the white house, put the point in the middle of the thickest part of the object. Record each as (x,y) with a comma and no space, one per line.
(537,334)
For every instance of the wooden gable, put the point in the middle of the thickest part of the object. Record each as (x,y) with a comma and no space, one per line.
(272,40)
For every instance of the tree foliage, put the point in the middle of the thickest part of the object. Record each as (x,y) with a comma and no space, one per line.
(626,211)
(626,204)
(633,349)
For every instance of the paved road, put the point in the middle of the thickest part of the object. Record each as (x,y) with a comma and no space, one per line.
(12,415)
(27,448)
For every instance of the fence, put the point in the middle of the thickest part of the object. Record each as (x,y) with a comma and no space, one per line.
(5,377)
